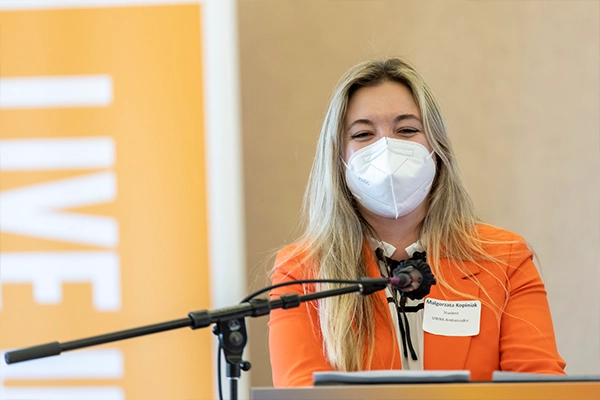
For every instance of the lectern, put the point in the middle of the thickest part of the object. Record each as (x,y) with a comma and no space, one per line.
(439,391)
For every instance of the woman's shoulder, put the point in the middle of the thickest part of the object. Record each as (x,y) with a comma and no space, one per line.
(494,234)
(500,242)
(291,251)
(293,261)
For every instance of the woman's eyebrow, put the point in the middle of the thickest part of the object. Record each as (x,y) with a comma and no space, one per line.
(399,118)
(359,121)
(403,117)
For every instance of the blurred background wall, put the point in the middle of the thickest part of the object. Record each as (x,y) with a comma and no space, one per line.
(519,85)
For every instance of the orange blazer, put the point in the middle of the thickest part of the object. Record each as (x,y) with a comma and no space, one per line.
(522,341)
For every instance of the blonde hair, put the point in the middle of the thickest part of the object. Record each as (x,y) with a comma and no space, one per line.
(335,232)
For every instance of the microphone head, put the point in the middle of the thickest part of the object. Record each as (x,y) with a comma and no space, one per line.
(415,278)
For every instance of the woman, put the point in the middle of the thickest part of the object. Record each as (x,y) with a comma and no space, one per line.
(385,187)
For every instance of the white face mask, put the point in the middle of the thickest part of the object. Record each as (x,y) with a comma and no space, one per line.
(390,177)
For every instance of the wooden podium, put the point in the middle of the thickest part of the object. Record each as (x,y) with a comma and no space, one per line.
(439,391)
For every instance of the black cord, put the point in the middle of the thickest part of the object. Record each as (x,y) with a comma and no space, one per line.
(408,339)
(261,291)
(402,332)
(219,371)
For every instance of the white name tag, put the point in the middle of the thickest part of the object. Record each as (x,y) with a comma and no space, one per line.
(452,318)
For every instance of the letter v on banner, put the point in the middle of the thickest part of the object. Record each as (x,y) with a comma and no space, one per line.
(37,211)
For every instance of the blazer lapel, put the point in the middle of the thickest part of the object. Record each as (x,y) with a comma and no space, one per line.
(450,352)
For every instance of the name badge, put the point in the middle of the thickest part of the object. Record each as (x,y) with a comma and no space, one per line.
(452,318)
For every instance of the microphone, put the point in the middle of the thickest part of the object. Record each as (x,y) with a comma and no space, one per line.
(414,275)
(409,278)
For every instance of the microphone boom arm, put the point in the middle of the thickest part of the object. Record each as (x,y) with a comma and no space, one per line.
(196,319)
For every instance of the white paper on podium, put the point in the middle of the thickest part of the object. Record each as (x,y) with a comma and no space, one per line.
(389,377)
(501,376)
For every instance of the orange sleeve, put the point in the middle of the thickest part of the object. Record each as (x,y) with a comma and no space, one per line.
(295,343)
(527,342)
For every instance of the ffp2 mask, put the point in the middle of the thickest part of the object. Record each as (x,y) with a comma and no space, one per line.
(390,177)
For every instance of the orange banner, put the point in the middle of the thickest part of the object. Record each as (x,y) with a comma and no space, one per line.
(103,218)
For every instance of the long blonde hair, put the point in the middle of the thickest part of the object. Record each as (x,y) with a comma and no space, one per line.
(335,232)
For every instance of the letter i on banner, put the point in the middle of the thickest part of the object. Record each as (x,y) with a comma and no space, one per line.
(102,199)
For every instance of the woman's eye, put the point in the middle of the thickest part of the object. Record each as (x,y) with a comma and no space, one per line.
(361,135)
(408,131)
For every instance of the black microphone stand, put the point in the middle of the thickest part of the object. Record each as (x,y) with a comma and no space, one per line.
(230,328)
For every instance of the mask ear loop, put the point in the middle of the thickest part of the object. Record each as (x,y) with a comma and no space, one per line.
(344,162)
(431,155)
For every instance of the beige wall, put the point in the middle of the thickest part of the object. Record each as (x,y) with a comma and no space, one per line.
(519,85)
